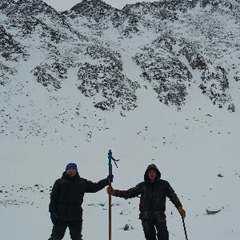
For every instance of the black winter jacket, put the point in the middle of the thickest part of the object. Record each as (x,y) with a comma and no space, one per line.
(67,196)
(152,195)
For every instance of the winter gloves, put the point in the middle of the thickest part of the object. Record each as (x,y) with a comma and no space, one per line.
(110,178)
(182,212)
(54,217)
(110,191)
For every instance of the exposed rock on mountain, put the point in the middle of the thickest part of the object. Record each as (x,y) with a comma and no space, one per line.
(167,75)
(93,10)
(106,79)
(171,46)
(6,73)
(10,49)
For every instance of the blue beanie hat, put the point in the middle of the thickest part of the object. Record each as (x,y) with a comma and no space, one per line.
(71,165)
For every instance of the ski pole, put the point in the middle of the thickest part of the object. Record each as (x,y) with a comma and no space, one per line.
(185,230)
(110,159)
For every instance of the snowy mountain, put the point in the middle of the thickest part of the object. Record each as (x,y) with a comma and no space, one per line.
(155,82)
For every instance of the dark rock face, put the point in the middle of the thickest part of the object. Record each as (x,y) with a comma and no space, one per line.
(10,49)
(5,74)
(45,78)
(110,84)
(215,84)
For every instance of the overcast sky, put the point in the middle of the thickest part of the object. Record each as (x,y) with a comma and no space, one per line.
(61,5)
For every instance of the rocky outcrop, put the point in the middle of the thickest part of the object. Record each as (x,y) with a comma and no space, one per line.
(215,84)
(6,74)
(168,76)
(106,80)
(10,49)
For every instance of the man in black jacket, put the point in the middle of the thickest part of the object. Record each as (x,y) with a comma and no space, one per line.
(66,202)
(153,192)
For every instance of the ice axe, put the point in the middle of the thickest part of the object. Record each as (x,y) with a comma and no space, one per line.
(110,160)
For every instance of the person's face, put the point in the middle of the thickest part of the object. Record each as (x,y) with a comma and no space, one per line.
(71,172)
(152,174)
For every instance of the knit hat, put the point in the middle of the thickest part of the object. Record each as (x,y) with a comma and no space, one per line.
(71,165)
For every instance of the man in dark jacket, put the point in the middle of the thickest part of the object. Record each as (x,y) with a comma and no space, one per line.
(66,202)
(153,192)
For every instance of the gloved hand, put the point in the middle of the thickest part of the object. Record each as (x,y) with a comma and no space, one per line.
(110,178)
(54,217)
(110,190)
(182,212)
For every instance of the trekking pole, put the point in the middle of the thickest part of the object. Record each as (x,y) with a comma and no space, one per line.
(185,230)
(110,159)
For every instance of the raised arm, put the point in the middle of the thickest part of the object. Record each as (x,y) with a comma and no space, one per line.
(130,193)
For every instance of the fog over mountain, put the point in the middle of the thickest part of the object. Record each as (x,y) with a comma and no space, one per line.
(155,82)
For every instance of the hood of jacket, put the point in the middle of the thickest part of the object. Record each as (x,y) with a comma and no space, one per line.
(152,167)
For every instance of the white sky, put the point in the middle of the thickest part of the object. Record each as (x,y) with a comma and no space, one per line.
(61,5)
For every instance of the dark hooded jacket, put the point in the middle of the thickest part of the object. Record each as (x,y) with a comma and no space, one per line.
(152,195)
(67,196)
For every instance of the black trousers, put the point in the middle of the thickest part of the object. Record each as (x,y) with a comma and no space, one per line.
(75,230)
(155,229)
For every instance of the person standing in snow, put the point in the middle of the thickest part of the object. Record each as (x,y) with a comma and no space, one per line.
(66,202)
(153,192)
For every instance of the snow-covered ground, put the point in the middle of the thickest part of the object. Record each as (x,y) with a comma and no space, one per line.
(196,150)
